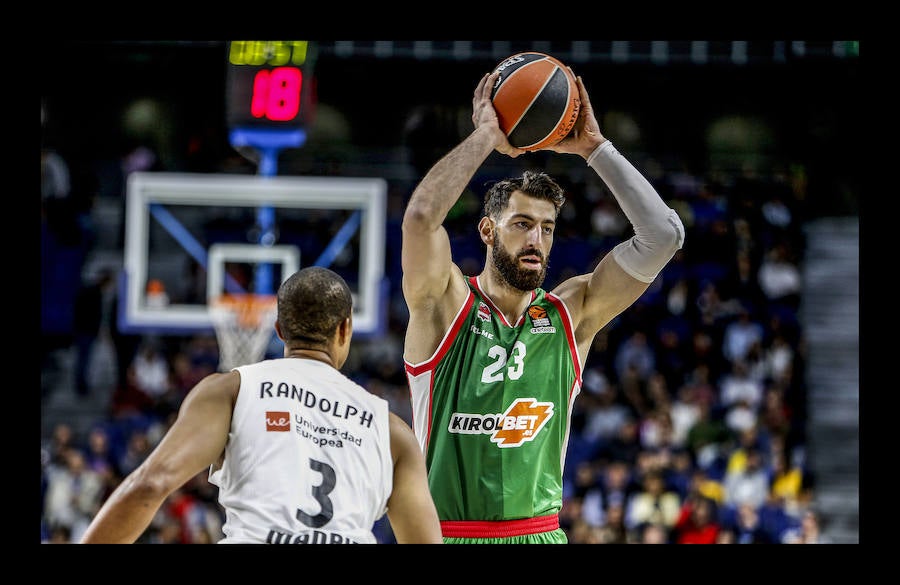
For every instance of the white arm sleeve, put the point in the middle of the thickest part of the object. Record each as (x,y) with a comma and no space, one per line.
(658,231)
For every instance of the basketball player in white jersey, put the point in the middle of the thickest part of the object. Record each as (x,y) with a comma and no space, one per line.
(300,453)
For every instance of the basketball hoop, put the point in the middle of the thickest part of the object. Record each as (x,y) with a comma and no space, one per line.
(243,324)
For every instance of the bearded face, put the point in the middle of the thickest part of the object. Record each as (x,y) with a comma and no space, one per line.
(511,269)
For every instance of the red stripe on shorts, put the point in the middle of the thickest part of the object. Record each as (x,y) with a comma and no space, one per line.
(499,529)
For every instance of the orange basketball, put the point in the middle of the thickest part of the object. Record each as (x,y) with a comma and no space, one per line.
(536,100)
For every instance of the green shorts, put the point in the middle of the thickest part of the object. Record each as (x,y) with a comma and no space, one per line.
(557,536)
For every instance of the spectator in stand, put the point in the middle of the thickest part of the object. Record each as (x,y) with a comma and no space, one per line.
(657,431)
(791,483)
(165,529)
(702,485)
(654,534)
(65,243)
(62,438)
(756,362)
(607,220)
(583,533)
(707,439)
(604,415)
(680,472)
(625,446)
(748,440)
(741,397)
(743,284)
(583,481)
(62,251)
(101,459)
(779,360)
(148,378)
(747,527)
(707,361)
(635,354)
(776,212)
(199,521)
(749,485)
(740,417)
(59,534)
(149,372)
(654,503)
(779,276)
(714,250)
(74,494)
(125,345)
(570,515)
(740,334)
(55,177)
(615,487)
(614,529)
(137,449)
(775,417)
(204,355)
(712,309)
(658,395)
(633,390)
(590,492)
(677,297)
(88,318)
(652,461)
(809,531)
(184,374)
(726,535)
(738,385)
(685,412)
(594,380)
(697,521)
(671,352)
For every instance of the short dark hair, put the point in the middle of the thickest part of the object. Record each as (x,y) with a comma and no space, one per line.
(532,183)
(312,302)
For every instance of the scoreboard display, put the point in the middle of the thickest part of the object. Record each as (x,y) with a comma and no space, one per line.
(269,84)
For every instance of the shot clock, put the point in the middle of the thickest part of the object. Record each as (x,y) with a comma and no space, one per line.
(269,84)
(268,104)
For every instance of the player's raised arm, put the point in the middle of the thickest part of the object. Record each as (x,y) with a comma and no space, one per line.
(426,255)
(625,273)
(429,276)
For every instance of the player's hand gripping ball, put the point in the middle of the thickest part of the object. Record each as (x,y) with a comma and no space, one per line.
(536,100)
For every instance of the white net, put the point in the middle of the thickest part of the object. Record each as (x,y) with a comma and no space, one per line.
(244,326)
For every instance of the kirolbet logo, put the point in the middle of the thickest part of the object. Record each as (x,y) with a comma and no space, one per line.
(521,422)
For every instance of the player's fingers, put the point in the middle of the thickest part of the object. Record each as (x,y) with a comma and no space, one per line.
(489,83)
(481,83)
(582,92)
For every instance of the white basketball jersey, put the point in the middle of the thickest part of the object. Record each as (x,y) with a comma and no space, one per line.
(308,458)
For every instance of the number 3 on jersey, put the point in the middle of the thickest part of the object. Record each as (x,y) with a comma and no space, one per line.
(493,372)
(320,493)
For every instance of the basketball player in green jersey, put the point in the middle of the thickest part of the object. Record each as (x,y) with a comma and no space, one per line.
(494,362)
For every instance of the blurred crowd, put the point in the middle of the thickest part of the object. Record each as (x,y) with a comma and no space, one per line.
(691,423)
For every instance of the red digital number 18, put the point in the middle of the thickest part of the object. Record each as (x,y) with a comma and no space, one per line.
(276,94)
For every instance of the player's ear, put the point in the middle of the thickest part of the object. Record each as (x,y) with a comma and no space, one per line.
(278,331)
(345,331)
(486,230)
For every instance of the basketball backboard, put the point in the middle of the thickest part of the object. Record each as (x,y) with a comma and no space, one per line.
(192,236)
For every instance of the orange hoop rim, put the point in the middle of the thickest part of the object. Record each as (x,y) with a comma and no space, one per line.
(249,307)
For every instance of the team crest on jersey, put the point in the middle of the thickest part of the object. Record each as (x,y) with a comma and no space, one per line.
(278,421)
(540,322)
(484,313)
(521,422)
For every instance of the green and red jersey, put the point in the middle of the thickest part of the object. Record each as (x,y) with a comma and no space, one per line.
(492,406)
